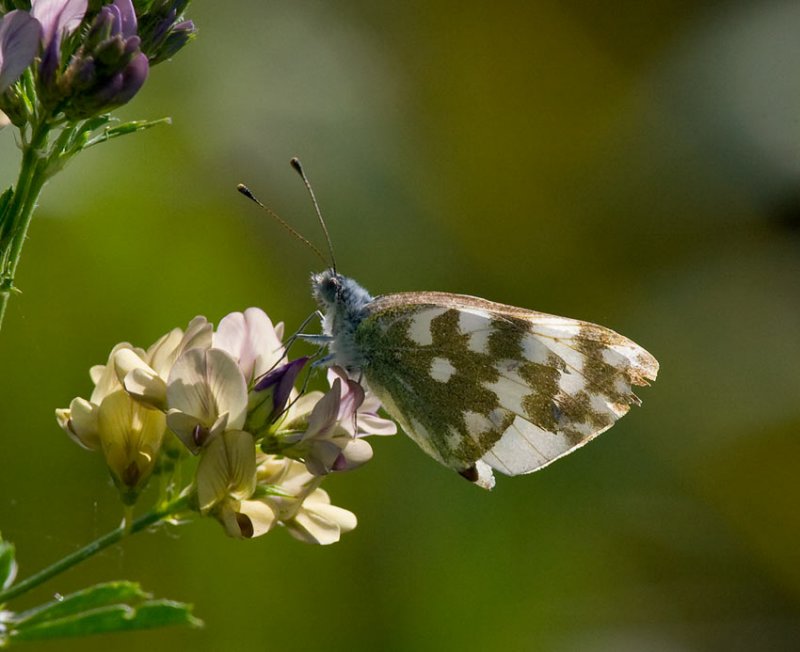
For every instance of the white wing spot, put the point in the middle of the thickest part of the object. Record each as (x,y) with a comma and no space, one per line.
(475,323)
(420,328)
(442,369)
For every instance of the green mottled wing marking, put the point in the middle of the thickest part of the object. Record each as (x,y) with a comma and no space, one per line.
(473,380)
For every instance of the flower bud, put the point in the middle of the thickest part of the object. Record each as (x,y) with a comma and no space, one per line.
(267,400)
(164,31)
(109,67)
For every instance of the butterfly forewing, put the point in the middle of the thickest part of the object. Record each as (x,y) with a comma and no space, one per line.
(475,381)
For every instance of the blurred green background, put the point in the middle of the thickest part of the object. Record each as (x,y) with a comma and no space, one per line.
(634,165)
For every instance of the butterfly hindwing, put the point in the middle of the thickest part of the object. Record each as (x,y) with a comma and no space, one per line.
(479,383)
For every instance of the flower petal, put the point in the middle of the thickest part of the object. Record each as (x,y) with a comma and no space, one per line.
(355,453)
(252,340)
(80,423)
(226,468)
(320,522)
(241,452)
(58,16)
(262,517)
(206,384)
(212,474)
(139,379)
(19,41)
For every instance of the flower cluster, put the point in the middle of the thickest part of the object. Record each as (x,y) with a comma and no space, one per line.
(227,398)
(85,61)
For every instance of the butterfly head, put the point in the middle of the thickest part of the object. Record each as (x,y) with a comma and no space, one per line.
(334,292)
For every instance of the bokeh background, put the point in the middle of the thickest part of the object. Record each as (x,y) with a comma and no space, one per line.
(634,164)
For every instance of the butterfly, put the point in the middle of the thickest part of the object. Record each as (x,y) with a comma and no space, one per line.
(479,386)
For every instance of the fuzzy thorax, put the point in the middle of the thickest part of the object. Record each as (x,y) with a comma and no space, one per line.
(343,303)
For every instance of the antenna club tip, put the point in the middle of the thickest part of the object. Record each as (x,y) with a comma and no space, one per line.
(295,163)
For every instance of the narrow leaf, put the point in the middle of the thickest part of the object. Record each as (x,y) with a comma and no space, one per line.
(8,565)
(126,128)
(94,597)
(116,618)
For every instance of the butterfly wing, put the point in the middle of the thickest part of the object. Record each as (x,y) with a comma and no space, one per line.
(477,384)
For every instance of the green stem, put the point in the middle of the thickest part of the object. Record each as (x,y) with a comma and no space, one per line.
(32,177)
(94,547)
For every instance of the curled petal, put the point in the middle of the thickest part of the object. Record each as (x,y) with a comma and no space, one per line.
(139,379)
(245,519)
(80,423)
(354,454)
(261,517)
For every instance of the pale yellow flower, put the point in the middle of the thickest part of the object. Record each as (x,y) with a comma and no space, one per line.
(305,509)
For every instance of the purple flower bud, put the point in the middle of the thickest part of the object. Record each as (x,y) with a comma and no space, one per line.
(19,40)
(164,30)
(281,380)
(100,29)
(181,34)
(133,78)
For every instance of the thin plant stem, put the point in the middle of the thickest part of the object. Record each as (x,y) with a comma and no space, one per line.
(32,177)
(101,543)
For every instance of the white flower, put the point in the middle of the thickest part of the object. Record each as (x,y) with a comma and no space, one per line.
(128,433)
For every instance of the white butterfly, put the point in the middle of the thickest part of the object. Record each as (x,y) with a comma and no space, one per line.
(480,385)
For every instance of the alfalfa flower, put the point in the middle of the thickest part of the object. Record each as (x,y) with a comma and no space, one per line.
(122,423)
(326,431)
(128,433)
(287,495)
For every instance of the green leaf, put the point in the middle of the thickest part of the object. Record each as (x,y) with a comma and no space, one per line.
(114,618)
(8,565)
(94,597)
(126,128)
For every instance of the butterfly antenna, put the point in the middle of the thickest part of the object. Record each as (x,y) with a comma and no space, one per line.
(247,193)
(295,163)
